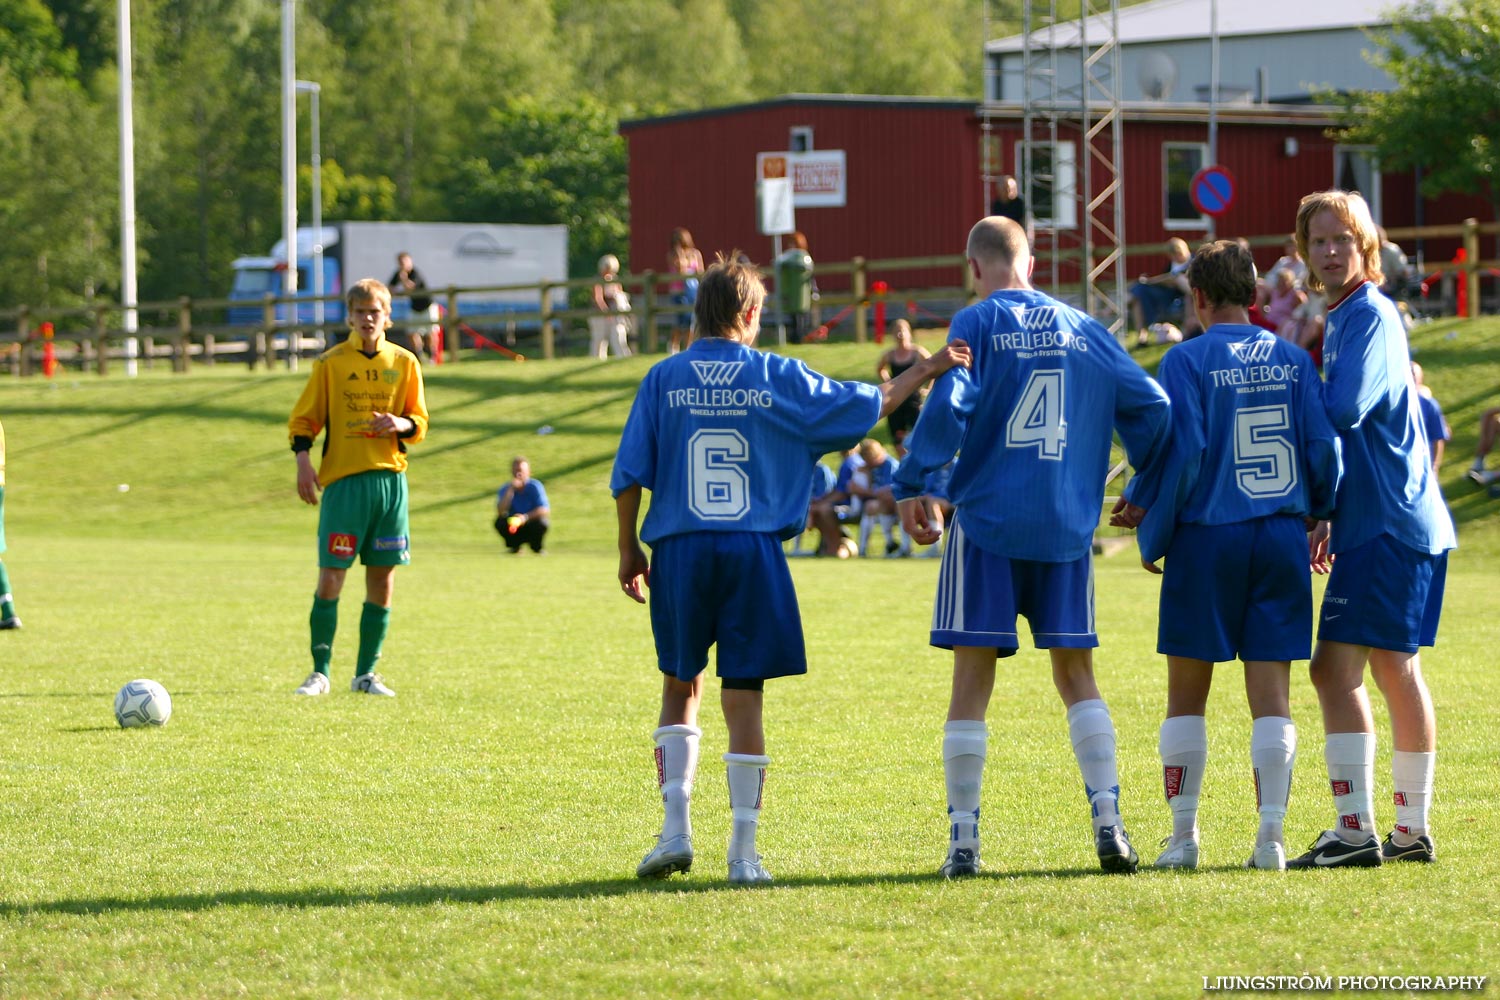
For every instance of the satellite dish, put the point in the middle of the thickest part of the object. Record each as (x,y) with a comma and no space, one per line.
(1157,75)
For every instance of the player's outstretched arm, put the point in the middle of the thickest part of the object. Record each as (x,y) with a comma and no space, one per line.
(895,392)
(634,573)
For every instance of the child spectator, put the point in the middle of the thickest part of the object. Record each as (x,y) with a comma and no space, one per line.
(609,331)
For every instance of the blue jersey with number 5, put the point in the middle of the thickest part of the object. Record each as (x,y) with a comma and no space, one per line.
(725,437)
(1250,436)
(1032,423)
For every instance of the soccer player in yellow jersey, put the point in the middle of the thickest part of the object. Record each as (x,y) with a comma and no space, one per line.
(8,619)
(366,393)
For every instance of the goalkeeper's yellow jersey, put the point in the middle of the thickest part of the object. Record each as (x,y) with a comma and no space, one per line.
(345,387)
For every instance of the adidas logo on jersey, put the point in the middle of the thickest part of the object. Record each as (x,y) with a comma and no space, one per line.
(1248,352)
(717,372)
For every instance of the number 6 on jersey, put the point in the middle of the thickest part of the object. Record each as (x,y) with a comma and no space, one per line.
(718,489)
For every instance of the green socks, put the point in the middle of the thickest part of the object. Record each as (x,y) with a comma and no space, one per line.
(324,622)
(7,606)
(372,625)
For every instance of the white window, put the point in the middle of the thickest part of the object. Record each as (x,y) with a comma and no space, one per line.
(1179,162)
(1051,189)
(1355,169)
(801,139)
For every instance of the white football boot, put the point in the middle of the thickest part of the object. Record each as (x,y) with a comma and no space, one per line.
(315,684)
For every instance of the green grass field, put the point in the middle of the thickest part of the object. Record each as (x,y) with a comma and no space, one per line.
(477,835)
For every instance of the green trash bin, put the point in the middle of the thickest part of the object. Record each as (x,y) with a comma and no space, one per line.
(794,290)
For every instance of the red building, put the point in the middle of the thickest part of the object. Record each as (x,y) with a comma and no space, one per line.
(914,182)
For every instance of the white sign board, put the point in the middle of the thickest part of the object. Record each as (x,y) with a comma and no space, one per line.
(819,178)
(773,196)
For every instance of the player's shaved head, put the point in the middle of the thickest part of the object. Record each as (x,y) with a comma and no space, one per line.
(998,240)
(998,255)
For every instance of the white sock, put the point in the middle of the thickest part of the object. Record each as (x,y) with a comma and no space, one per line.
(1351,773)
(866,525)
(747,780)
(1273,751)
(888,524)
(1478,465)
(676,766)
(1093,735)
(1411,774)
(1184,753)
(965,744)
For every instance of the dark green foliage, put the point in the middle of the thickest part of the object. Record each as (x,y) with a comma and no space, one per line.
(1441,116)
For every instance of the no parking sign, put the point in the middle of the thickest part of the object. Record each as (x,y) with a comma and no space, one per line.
(1212,190)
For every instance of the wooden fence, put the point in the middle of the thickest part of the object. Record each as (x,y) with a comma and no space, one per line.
(185,332)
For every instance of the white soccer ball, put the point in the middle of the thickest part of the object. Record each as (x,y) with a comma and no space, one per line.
(142,703)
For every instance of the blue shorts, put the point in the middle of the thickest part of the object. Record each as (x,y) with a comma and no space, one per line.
(1242,588)
(1384,594)
(727,588)
(980,594)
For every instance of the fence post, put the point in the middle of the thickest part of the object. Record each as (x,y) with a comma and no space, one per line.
(648,313)
(23,339)
(101,341)
(547,331)
(861,307)
(1470,277)
(260,348)
(450,325)
(184,333)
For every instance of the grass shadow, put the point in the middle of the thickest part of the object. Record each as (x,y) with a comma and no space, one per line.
(433,895)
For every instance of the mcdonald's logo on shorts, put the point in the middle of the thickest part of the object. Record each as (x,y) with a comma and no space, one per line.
(343,546)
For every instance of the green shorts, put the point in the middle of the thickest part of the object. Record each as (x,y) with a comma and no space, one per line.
(364,515)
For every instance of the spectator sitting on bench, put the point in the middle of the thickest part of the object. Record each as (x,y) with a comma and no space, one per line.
(1159,298)
(830,511)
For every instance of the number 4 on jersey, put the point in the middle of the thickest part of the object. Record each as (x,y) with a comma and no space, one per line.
(1037,419)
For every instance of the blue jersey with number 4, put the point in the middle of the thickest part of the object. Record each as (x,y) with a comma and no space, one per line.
(1250,436)
(1032,423)
(725,437)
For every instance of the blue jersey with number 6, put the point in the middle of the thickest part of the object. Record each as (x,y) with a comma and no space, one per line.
(1032,424)
(1250,436)
(725,437)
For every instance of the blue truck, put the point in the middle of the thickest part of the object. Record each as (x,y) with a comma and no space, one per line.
(457,254)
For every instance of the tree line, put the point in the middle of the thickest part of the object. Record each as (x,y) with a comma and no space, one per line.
(507,111)
(436,110)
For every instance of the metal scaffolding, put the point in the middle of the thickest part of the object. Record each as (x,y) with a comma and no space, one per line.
(1072,150)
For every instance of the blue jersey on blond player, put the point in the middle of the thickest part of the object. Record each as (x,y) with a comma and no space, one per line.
(1250,437)
(1057,382)
(725,438)
(1374,403)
